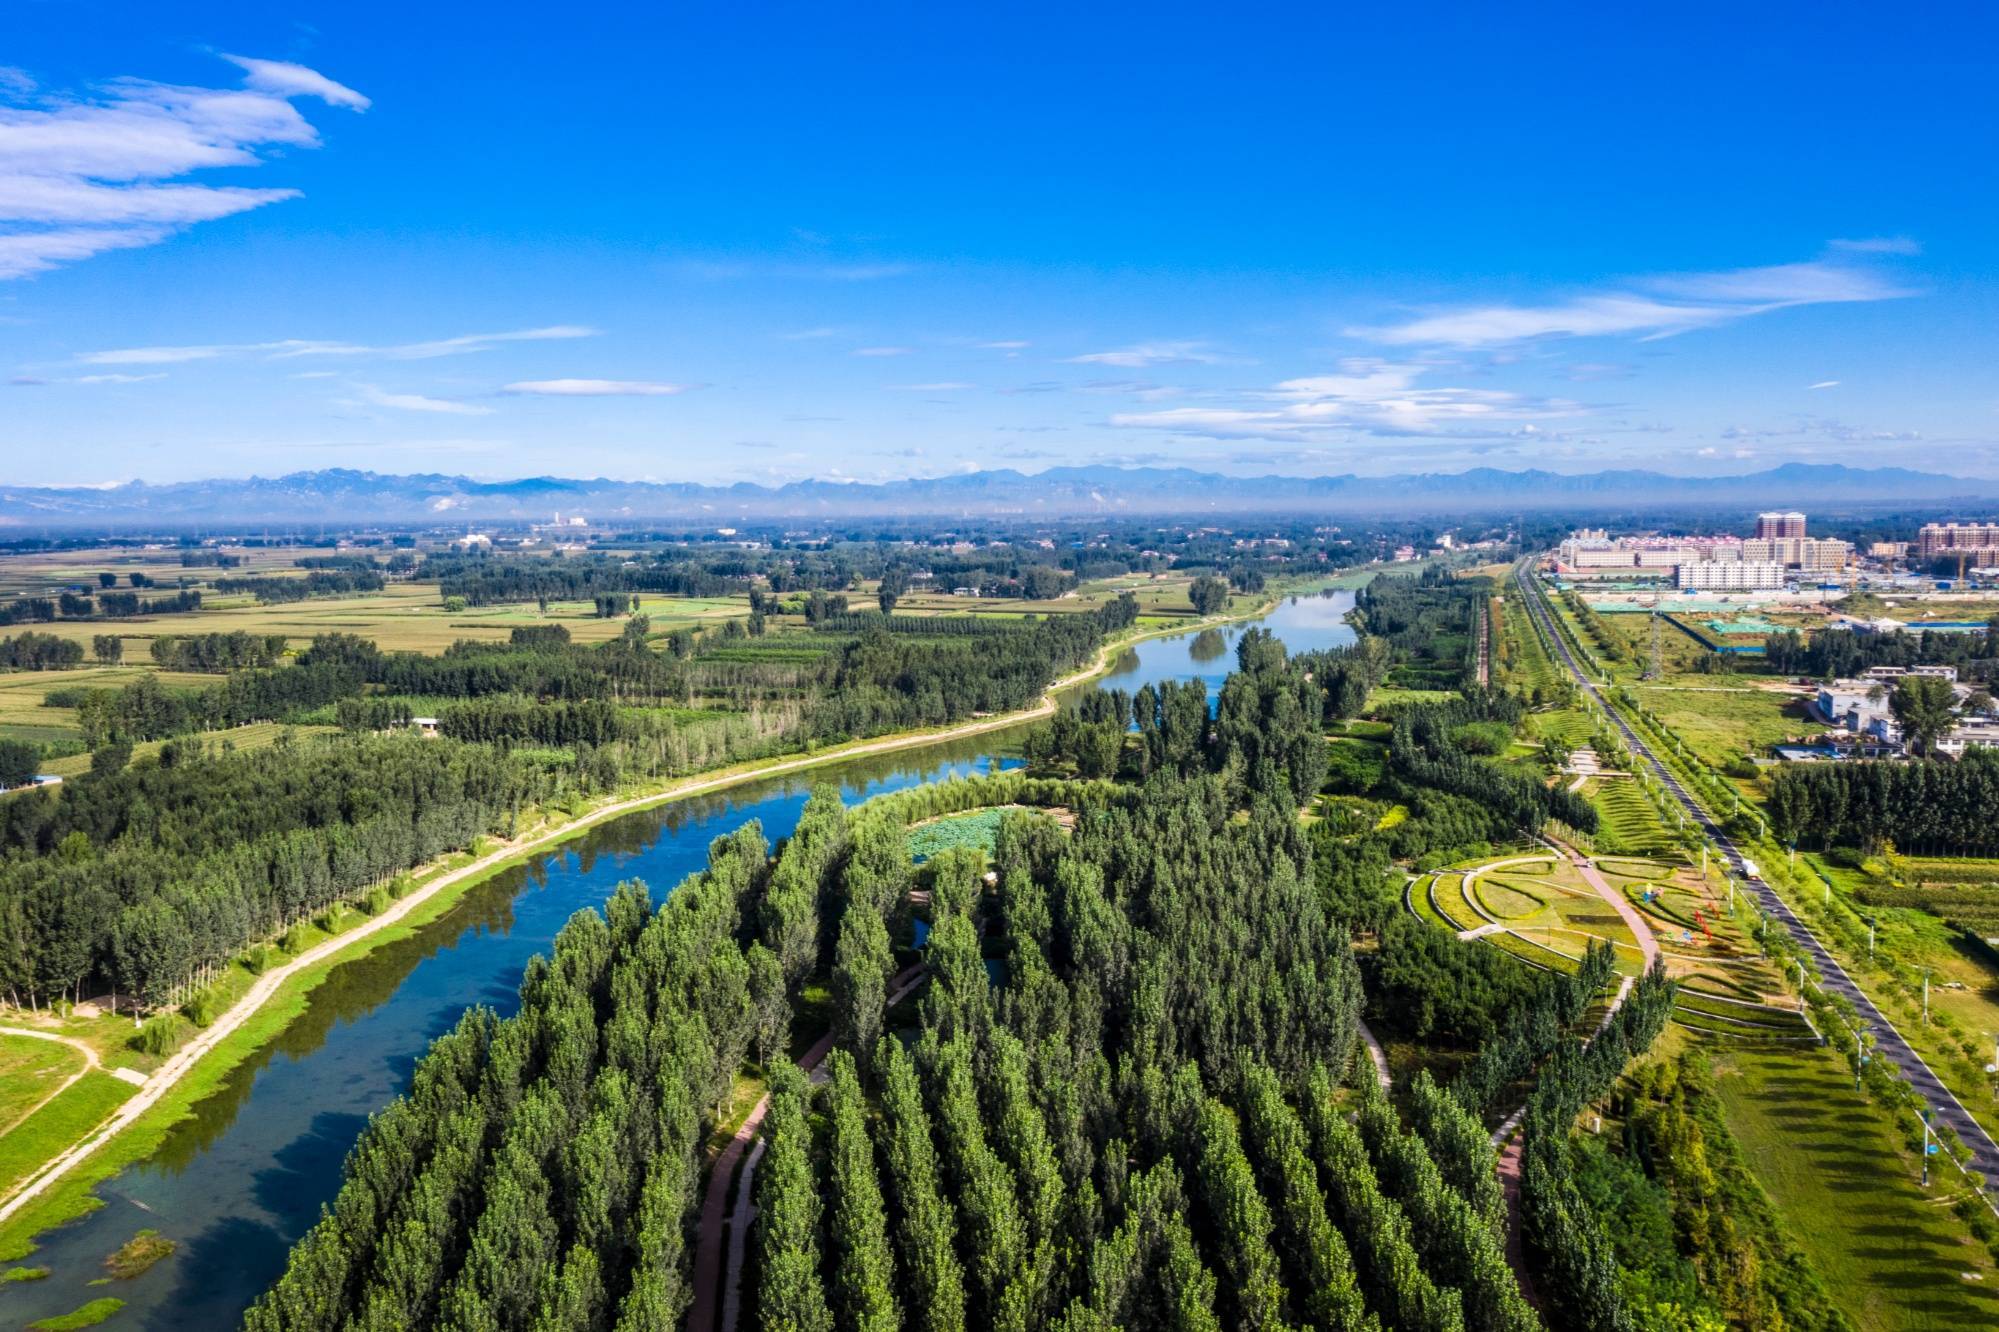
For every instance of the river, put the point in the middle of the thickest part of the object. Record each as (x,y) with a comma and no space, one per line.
(239,1180)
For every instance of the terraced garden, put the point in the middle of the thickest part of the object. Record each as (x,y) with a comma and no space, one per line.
(1544,912)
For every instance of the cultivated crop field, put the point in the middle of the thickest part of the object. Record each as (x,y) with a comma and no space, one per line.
(401,617)
(24,716)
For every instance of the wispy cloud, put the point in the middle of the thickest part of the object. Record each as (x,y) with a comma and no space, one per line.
(1826,384)
(1151,353)
(595,388)
(118,379)
(883,351)
(1007,344)
(294,348)
(1879,245)
(946,386)
(1367,396)
(729,270)
(82,176)
(288,80)
(417,402)
(1647,308)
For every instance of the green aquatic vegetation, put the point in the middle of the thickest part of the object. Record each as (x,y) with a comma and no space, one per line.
(90,1315)
(138,1254)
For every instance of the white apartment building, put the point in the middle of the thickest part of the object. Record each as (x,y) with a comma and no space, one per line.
(1730,576)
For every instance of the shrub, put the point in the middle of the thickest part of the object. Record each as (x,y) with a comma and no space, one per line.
(159,1036)
(203,1009)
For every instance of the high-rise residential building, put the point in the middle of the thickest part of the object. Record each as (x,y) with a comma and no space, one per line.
(1936,539)
(1811,554)
(1770,526)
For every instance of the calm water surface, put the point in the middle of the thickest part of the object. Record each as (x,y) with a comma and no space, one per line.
(240,1180)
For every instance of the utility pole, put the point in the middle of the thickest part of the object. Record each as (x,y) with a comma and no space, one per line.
(1926,1147)
(1870,938)
(1926,996)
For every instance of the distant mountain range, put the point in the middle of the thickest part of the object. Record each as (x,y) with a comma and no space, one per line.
(345,496)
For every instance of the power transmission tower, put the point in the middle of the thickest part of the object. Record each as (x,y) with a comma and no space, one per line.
(1656,667)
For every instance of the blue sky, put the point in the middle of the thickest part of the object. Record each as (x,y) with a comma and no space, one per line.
(766,242)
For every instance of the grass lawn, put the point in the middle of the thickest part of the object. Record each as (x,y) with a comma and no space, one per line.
(1723,726)
(1839,1174)
(58,1125)
(29,1070)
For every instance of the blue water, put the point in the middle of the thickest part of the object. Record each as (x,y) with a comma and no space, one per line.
(238,1182)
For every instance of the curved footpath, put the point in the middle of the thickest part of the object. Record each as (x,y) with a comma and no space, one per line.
(1888,1041)
(169,1074)
(90,1061)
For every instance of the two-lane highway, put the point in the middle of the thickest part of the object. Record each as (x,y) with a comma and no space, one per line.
(1888,1042)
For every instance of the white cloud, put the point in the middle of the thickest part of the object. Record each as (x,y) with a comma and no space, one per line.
(1008,344)
(27,252)
(417,402)
(1879,245)
(946,386)
(595,388)
(1150,353)
(117,378)
(883,351)
(1826,384)
(1369,396)
(1649,308)
(289,80)
(83,175)
(294,348)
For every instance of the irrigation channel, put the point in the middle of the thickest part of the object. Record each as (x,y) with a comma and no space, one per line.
(237,1182)
(1888,1042)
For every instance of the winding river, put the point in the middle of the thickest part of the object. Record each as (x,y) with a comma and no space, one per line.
(246,1174)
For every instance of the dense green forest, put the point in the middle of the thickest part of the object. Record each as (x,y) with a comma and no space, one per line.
(1828,653)
(1429,621)
(1094,1141)
(1930,805)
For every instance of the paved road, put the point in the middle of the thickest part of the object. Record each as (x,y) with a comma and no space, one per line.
(1888,1042)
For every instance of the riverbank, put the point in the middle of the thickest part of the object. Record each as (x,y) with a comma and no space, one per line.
(62,1190)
